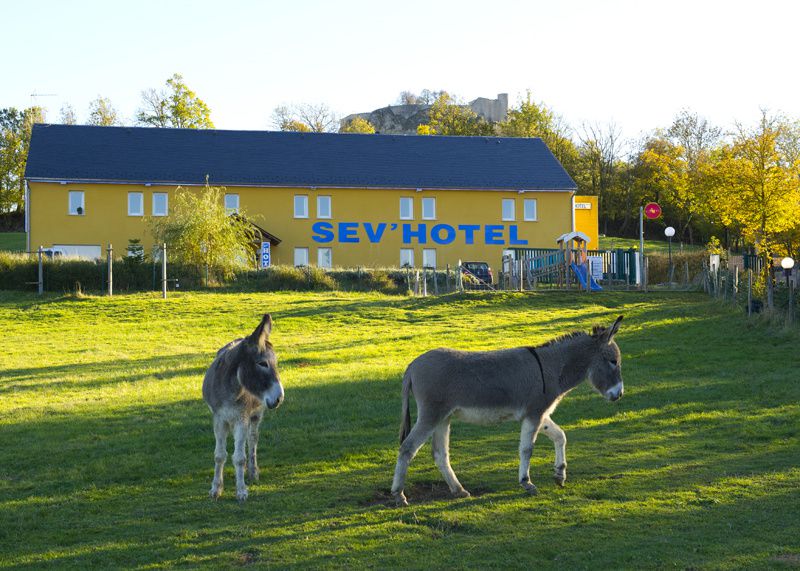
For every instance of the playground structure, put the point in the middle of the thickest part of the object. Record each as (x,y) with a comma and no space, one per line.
(570,266)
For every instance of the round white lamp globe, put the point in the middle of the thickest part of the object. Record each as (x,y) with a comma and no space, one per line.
(669,231)
(787,263)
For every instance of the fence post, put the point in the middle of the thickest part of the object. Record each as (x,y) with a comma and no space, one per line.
(521,280)
(435,282)
(110,256)
(41,271)
(424,282)
(770,291)
(735,283)
(790,316)
(416,283)
(686,273)
(459,278)
(749,292)
(447,280)
(164,270)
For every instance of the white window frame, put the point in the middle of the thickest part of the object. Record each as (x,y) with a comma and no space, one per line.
(320,202)
(426,253)
(232,209)
(304,253)
(409,254)
(304,202)
(82,207)
(431,200)
(320,262)
(166,204)
(410,202)
(513,204)
(525,203)
(140,211)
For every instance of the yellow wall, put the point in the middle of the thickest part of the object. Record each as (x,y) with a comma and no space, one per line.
(586,219)
(106,220)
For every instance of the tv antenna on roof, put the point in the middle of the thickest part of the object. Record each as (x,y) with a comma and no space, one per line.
(34,95)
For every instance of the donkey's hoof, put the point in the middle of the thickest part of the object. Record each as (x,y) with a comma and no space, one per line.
(253,476)
(241,495)
(400,499)
(560,480)
(215,492)
(462,493)
(530,488)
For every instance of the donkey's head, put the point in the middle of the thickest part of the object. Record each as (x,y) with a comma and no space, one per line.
(257,368)
(605,370)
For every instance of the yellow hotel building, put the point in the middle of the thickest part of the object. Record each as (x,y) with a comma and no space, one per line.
(330,200)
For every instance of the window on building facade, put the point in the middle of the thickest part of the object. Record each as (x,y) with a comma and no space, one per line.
(323,207)
(508,209)
(301,256)
(428,258)
(231,203)
(429,208)
(76,206)
(325,258)
(529,206)
(160,204)
(406,208)
(300,206)
(135,204)
(406,258)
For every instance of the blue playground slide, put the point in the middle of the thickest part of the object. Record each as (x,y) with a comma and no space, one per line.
(580,274)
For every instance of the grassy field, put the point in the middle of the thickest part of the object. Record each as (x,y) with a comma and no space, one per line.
(13,241)
(107,447)
(650,246)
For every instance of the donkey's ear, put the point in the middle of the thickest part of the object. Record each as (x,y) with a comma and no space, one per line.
(611,331)
(261,333)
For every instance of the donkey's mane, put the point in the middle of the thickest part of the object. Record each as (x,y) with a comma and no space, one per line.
(564,337)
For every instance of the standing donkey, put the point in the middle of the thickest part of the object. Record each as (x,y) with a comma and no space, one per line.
(241,381)
(525,384)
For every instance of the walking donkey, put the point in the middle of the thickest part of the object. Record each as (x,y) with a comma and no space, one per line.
(524,384)
(241,381)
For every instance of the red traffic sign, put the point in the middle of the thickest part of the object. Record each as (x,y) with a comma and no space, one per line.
(652,211)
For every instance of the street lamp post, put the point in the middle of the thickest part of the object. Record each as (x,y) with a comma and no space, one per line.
(669,231)
(787,264)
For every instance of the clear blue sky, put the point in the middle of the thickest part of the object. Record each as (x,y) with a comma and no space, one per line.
(636,63)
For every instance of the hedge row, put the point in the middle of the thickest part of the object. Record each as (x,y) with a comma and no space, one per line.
(20,272)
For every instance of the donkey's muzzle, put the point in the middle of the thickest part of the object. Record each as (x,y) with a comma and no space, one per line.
(615,393)
(273,397)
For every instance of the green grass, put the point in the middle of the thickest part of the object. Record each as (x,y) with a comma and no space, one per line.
(650,246)
(106,446)
(12,241)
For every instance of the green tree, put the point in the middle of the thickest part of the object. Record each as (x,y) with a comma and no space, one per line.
(176,106)
(529,119)
(448,117)
(15,138)
(102,113)
(68,116)
(757,182)
(200,232)
(358,125)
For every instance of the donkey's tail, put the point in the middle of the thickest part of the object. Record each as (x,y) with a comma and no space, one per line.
(405,414)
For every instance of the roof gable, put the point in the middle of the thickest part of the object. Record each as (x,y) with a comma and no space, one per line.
(269,158)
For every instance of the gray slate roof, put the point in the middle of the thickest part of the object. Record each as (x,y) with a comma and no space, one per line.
(267,158)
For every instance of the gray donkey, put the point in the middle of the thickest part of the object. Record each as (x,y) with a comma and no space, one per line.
(241,381)
(524,384)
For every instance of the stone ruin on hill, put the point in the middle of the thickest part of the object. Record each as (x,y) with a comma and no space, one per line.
(404,119)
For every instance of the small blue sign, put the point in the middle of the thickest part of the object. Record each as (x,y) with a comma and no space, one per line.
(265,255)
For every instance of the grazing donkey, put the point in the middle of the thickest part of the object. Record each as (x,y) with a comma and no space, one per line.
(524,384)
(242,380)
